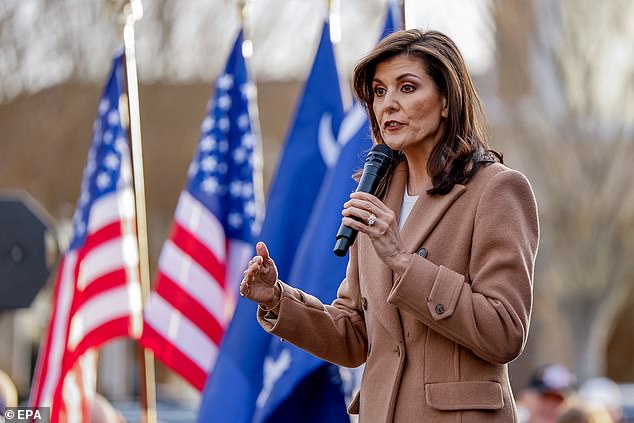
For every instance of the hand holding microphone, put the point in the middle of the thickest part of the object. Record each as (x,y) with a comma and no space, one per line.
(376,165)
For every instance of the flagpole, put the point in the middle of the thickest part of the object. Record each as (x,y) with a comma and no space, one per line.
(333,8)
(402,4)
(130,12)
(254,112)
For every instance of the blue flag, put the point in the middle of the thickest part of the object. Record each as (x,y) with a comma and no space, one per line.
(316,269)
(243,379)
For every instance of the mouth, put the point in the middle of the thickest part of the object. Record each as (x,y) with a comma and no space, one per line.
(392,125)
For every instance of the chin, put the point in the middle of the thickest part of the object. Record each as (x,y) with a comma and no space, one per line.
(394,145)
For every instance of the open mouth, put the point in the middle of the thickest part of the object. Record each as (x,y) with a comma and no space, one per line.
(392,124)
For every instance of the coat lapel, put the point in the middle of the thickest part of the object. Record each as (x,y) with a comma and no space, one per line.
(381,273)
(425,215)
(427,212)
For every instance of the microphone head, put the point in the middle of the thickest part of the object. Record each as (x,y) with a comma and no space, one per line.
(379,158)
(382,149)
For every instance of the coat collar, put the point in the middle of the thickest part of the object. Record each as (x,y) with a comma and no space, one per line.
(427,212)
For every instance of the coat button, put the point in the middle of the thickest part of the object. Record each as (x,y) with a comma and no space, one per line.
(364,303)
(440,308)
(422,252)
(397,350)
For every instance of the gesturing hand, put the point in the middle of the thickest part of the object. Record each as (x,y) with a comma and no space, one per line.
(259,279)
(366,213)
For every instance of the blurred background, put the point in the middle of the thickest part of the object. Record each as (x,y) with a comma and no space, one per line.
(556,77)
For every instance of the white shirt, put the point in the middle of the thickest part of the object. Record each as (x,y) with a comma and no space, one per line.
(406,207)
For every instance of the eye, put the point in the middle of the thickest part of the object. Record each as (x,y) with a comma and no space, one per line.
(408,88)
(379,91)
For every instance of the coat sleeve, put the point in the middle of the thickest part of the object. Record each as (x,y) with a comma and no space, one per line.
(335,333)
(491,314)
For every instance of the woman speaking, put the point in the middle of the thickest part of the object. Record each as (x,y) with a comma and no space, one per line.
(438,290)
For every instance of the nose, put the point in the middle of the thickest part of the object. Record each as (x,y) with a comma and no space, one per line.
(390,101)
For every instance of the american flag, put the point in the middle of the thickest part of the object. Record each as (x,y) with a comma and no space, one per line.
(212,237)
(97,293)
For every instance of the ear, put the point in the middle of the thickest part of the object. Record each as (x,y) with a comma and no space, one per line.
(445,110)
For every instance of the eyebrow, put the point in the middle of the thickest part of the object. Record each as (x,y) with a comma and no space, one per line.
(400,77)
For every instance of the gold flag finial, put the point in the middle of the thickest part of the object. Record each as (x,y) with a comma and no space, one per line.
(126,10)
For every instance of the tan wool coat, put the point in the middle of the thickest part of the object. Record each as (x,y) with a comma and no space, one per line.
(437,339)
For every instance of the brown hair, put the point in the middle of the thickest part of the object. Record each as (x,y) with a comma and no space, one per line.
(463,147)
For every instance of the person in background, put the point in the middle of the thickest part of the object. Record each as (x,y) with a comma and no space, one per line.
(605,392)
(546,395)
(584,413)
(438,291)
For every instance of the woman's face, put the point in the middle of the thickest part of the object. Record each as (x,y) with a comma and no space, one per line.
(407,105)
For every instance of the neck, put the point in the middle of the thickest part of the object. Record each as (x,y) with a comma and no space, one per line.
(418,180)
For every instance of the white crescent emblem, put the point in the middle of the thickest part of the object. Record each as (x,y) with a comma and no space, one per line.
(273,370)
(330,147)
(327,143)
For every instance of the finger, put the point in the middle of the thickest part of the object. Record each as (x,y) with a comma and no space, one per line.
(362,210)
(364,196)
(254,267)
(257,262)
(244,288)
(369,198)
(248,276)
(357,213)
(360,204)
(357,225)
(262,251)
(363,218)
(254,262)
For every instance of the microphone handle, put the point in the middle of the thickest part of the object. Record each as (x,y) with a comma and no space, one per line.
(346,235)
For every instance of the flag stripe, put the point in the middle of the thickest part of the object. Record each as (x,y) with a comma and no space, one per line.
(176,264)
(199,253)
(174,358)
(190,308)
(111,208)
(101,334)
(110,305)
(100,285)
(78,389)
(58,329)
(102,234)
(180,332)
(197,219)
(107,257)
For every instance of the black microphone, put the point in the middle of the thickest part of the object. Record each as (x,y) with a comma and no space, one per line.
(374,169)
